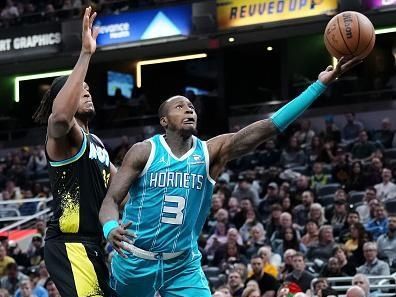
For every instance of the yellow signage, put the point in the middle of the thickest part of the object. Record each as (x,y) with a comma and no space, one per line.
(235,13)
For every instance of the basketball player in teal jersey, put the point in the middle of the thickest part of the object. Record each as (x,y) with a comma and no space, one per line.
(170,179)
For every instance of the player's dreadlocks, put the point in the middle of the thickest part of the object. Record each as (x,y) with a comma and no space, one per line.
(45,108)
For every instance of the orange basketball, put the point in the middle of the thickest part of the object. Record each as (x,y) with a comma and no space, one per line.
(349,33)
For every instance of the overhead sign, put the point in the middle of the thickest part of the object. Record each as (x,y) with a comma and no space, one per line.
(32,40)
(235,13)
(372,4)
(143,25)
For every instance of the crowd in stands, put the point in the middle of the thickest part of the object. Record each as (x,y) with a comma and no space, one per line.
(18,12)
(305,205)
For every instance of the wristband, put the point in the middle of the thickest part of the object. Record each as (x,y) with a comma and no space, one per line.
(292,110)
(108,227)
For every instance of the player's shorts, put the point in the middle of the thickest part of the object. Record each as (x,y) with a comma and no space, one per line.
(178,277)
(77,267)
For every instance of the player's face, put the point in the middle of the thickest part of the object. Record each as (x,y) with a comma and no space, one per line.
(86,108)
(181,116)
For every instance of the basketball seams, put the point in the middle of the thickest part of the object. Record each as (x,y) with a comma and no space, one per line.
(342,36)
(358,41)
(368,44)
(334,48)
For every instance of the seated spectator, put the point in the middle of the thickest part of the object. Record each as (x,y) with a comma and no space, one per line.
(271,197)
(35,251)
(319,285)
(340,172)
(267,283)
(372,265)
(4,293)
(251,221)
(240,217)
(352,218)
(225,290)
(367,210)
(265,253)
(44,275)
(378,225)
(211,220)
(305,134)
(244,189)
(273,222)
(25,289)
(311,237)
(355,291)
(317,214)
(332,269)
(235,283)
(354,245)
(362,281)
(374,172)
(331,131)
(287,265)
(51,288)
(233,208)
(286,221)
(363,149)
(351,129)
(257,240)
(217,239)
(16,253)
(386,190)
(337,215)
(227,255)
(12,279)
(4,260)
(299,276)
(318,178)
(289,240)
(315,150)
(324,248)
(286,204)
(251,292)
(270,156)
(292,155)
(300,212)
(357,181)
(385,135)
(387,242)
(36,289)
(341,254)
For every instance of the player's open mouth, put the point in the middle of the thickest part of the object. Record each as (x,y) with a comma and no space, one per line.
(189,121)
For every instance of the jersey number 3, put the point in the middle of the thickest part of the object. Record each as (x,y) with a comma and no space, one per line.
(174,214)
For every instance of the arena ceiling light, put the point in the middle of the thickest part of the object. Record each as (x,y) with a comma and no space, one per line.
(19,79)
(385,30)
(160,61)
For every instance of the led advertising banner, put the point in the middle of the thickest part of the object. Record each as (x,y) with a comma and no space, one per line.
(142,25)
(372,4)
(235,13)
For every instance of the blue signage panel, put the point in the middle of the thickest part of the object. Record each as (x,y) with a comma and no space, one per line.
(143,25)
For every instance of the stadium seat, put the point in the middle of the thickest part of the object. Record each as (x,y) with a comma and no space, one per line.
(327,189)
(390,153)
(390,205)
(211,271)
(326,200)
(355,197)
(300,169)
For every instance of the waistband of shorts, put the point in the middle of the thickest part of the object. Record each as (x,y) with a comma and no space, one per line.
(75,238)
(140,253)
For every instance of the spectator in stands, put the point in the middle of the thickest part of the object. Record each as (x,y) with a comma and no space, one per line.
(299,275)
(341,168)
(374,172)
(37,290)
(331,131)
(235,283)
(233,208)
(355,291)
(384,135)
(251,221)
(225,289)
(9,13)
(318,178)
(44,275)
(354,245)
(271,197)
(341,254)
(273,222)
(12,279)
(16,253)
(363,149)
(256,241)
(240,217)
(286,221)
(387,242)
(319,285)
(301,185)
(267,283)
(362,281)
(211,220)
(251,292)
(378,225)
(345,233)
(35,252)
(350,131)
(386,190)
(4,293)
(286,204)
(37,161)
(244,189)
(300,212)
(324,248)
(289,240)
(317,214)
(4,260)
(40,226)
(357,180)
(217,239)
(229,254)
(266,255)
(311,237)
(305,134)
(219,294)
(270,156)
(51,288)
(337,215)
(315,150)
(292,155)
(370,201)
(332,269)
(287,265)
(373,266)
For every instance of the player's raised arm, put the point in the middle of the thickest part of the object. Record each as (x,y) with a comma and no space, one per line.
(132,165)
(66,102)
(226,147)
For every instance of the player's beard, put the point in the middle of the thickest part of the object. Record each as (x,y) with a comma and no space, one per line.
(186,133)
(86,115)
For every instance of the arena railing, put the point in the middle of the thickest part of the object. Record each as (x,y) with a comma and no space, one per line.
(382,285)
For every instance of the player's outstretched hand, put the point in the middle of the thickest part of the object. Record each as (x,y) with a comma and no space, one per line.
(118,236)
(344,64)
(89,33)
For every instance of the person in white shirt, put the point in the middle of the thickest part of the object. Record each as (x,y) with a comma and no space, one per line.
(387,189)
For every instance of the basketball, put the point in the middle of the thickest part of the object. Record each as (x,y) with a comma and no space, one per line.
(349,33)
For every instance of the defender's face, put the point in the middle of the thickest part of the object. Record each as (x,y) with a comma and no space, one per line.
(181,115)
(86,107)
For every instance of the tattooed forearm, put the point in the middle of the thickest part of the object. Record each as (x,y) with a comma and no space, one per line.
(248,138)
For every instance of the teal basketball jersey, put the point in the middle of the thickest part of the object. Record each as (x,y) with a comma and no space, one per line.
(171,199)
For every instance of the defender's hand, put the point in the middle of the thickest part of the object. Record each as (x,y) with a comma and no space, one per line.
(89,34)
(343,65)
(118,236)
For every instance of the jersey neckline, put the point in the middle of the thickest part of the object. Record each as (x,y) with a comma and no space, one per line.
(168,149)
